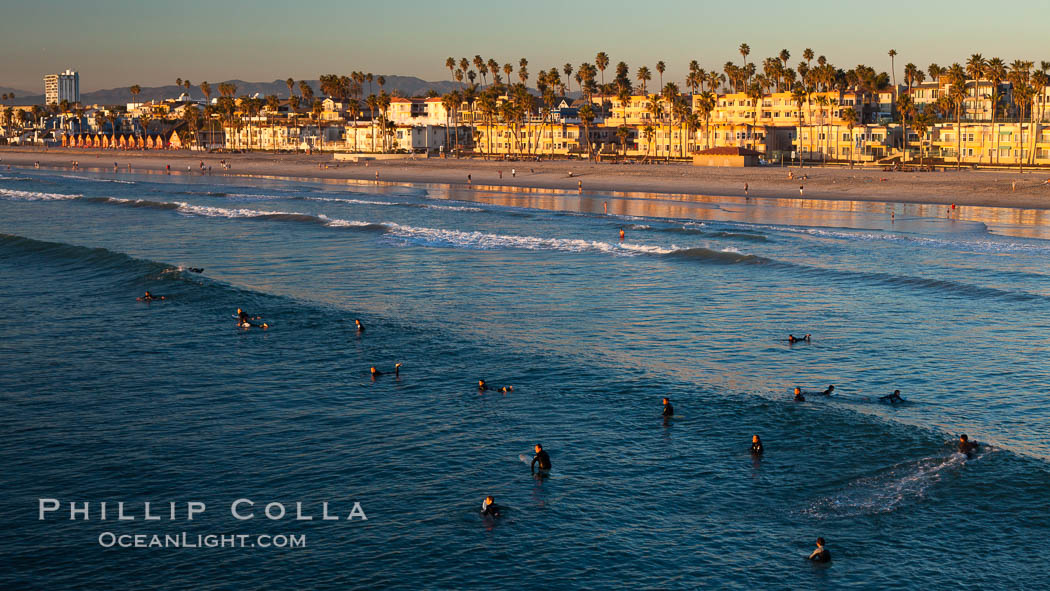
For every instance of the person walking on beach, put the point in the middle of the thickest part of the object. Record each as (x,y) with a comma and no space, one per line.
(800,189)
(605,204)
(745,189)
(469,180)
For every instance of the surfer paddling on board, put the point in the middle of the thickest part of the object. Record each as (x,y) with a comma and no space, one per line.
(541,458)
(829,391)
(244,320)
(892,398)
(148,297)
(793,339)
(376,373)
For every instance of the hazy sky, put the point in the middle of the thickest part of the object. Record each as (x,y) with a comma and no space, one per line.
(122,42)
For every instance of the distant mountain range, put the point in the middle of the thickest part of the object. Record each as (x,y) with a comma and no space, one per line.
(403,85)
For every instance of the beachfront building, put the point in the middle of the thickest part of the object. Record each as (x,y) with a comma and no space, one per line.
(62,87)
(1008,144)
(836,141)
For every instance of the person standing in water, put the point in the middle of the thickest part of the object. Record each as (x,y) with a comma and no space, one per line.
(756,446)
(622,234)
(489,507)
(828,392)
(668,409)
(799,396)
(541,458)
(821,554)
(360,327)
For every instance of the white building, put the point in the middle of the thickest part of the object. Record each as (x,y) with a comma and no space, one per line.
(60,87)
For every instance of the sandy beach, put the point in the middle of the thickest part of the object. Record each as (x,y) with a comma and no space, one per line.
(1030,190)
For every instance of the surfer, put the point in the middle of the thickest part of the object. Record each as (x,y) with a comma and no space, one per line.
(148,297)
(360,327)
(505,389)
(966,446)
(799,396)
(756,446)
(243,318)
(668,409)
(482,386)
(376,373)
(829,391)
(621,234)
(489,508)
(892,398)
(821,554)
(195,269)
(542,458)
(793,339)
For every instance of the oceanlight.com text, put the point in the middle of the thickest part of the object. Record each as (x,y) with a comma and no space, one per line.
(187,540)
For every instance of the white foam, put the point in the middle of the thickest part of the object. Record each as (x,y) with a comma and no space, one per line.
(34,196)
(338,223)
(901,484)
(453,208)
(222,212)
(487,241)
(89,178)
(353,201)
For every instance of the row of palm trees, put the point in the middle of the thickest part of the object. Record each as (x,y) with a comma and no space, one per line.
(803,82)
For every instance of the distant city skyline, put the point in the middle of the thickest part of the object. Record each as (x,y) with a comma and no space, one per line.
(114,43)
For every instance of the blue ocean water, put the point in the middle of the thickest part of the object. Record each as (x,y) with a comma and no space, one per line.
(104,398)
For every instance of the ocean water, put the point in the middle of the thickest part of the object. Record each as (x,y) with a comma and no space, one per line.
(105,398)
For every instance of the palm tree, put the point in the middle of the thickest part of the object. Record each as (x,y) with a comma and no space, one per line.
(567,69)
(744,50)
(206,91)
(754,92)
(849,115)
(601,61)
(975,69)
(957,94)
(622,133)
(482,69)
(661,68)
(906,108)
(643,76)
(893,69)
(586,115)
(798,96)
(135,90)
(373,104)
(921,124)
(1020,77)
(450,63)
(648,133)
(706,105)
(995,73)
(670,94)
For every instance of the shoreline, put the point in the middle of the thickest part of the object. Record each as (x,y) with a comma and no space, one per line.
(1030,190)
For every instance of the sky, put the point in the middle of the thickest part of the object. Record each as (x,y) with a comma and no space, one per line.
(114,43)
